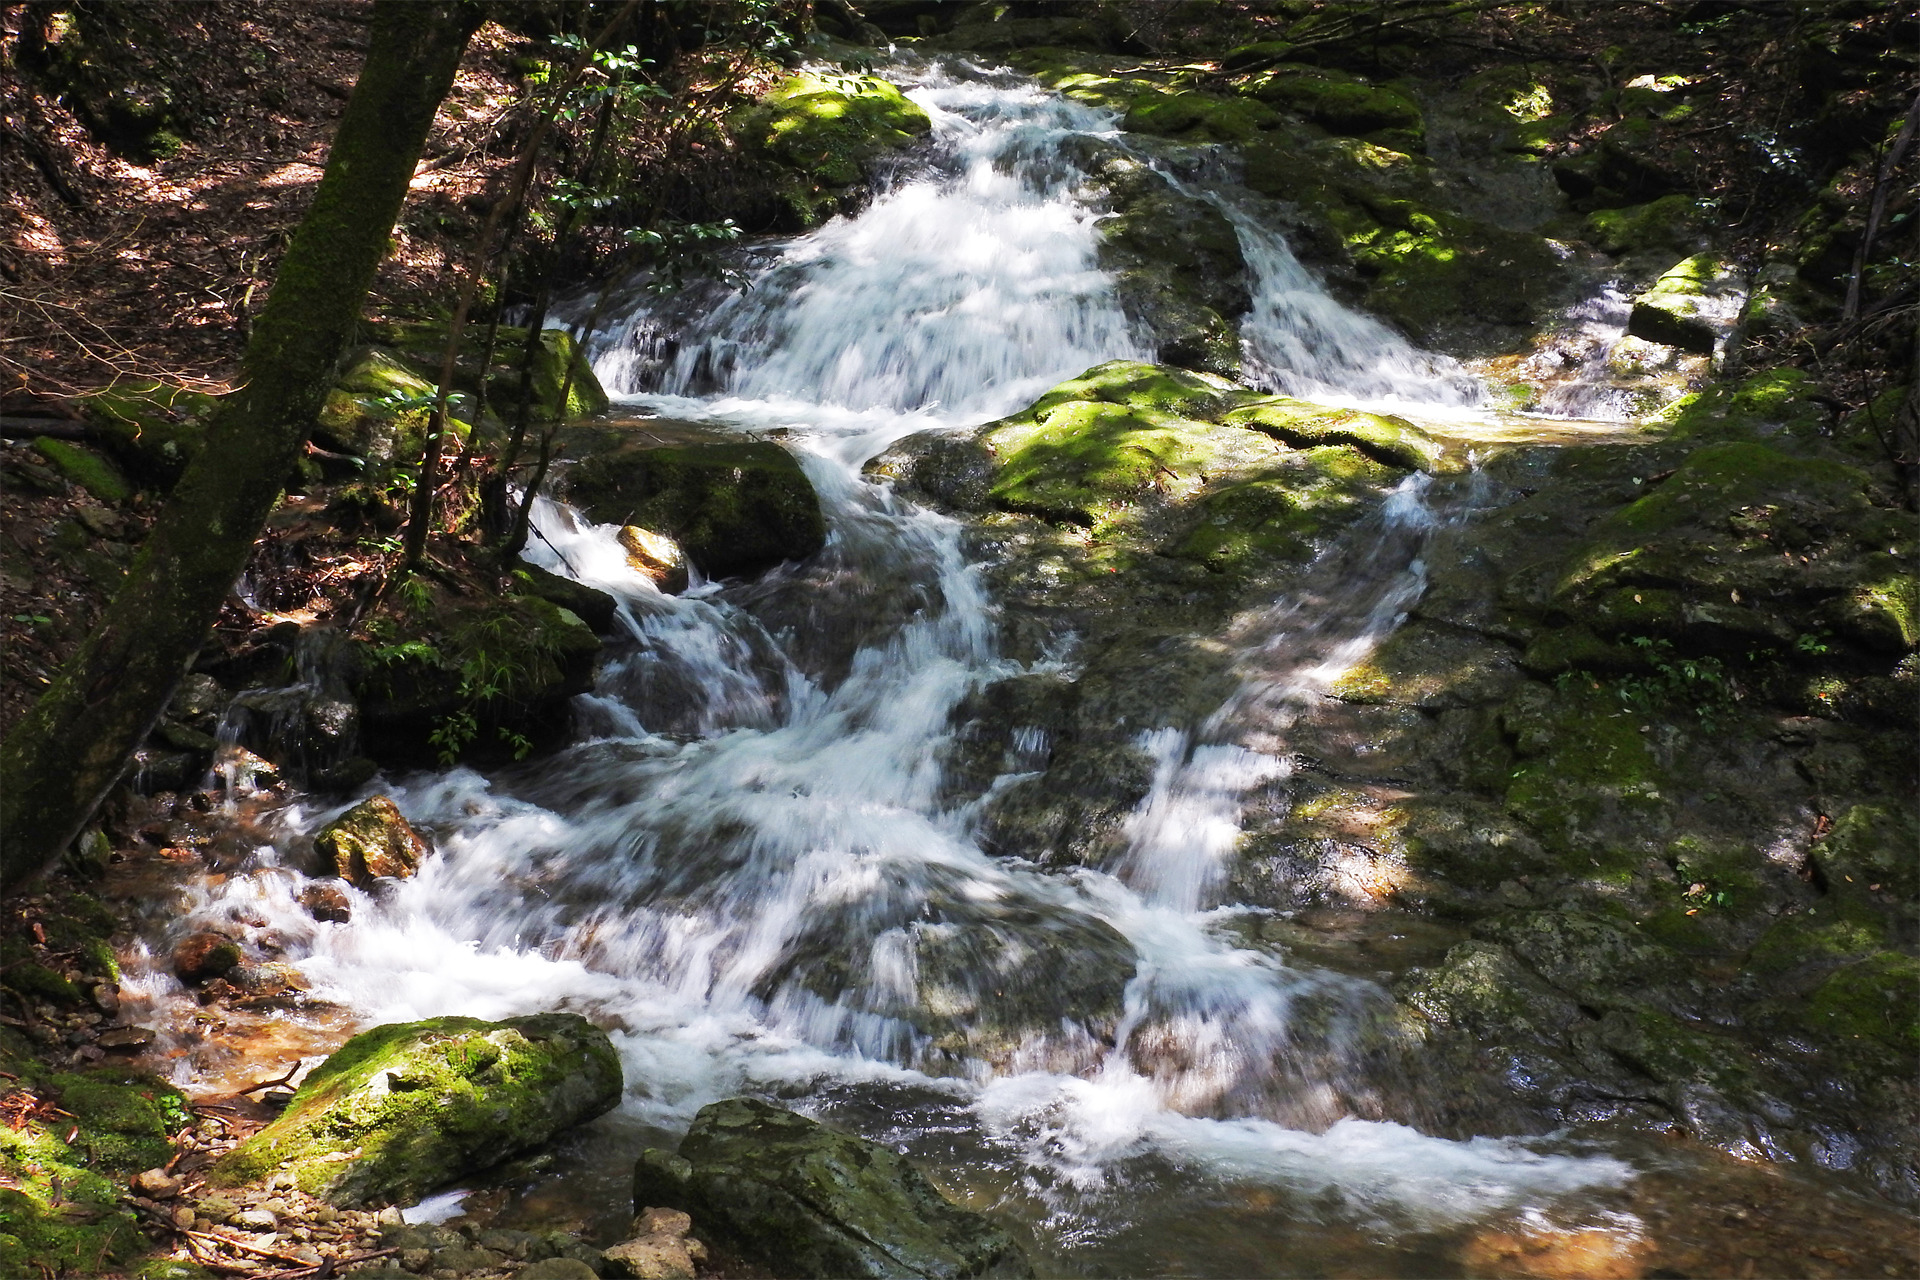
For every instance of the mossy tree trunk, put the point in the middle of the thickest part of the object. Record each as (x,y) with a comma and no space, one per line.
(60,762)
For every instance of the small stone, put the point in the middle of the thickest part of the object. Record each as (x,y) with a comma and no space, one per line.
(327,903)
(557,1269)
(657,556)
(216,1209)
(184,1217)
(416,1260)
(652,1258)
(204,955)
(157,1183)
(512,1244)
(662,1222)
(255,1220)
(126,1039)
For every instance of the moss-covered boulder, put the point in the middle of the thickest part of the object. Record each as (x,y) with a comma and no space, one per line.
(1673,224)
(789,1193)
(1693,305)
(370,841)
(1394,442)
(822,135)
(402,1109)
(1342,103)
(734,508)
(407,355)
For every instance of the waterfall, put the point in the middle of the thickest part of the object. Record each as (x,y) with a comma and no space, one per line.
(744,864)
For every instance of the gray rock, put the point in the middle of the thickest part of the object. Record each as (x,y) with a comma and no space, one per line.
(807,1201)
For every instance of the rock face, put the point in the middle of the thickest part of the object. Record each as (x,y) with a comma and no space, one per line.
(807,1201)
(402,1109)
(735,508)
(369,841)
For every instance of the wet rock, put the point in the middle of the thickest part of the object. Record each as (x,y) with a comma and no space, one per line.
(655,555)
(792,1194)
(593,606)
(368,841)
(201,956)
(327,903)
(404,1108)
(126,1039)
(735,508)
(1693,306)
(1178,268)
(1394,442)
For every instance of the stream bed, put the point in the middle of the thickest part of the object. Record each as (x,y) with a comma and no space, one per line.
(748,868)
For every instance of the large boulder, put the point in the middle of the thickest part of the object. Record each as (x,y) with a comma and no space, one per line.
(805,1200)
(404,1108)
(734,509)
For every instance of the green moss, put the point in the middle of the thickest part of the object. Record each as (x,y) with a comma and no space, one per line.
(1843,931)
(1427,266)
(1662,1047)
(1877,998)
(1872,844)
(1669,224)
(1392,441)
(401,1109)
(85,468)
(1198,117)
(1722,478)
(1587,760)
(152,429)
(825,131)
(1341,103)
(1246,525)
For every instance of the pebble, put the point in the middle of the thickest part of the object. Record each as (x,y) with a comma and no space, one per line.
(254,1220)
(156,1183)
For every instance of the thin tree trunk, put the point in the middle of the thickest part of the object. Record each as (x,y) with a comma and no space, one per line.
(74,745)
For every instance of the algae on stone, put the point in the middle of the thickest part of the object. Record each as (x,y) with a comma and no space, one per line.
(789,1193)
(404,1108)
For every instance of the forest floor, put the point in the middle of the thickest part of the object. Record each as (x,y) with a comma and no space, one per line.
(114,272)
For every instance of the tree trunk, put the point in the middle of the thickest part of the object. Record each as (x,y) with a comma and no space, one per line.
(63,758)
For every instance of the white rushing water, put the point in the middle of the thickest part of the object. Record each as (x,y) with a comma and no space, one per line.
(745,866)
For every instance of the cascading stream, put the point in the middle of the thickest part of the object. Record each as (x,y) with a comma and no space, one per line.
(745,865)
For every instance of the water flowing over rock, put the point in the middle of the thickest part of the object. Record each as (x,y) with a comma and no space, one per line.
(791,1193)
(402,1109)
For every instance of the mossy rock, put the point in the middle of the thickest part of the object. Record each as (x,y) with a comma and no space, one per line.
(408,356)
(1429,270)
(152,429)
(1586,774)
(1342,103)
(510,663)
(85,468)
(405,1108)
(1876,999)
(735,509)
(368,841)
(789,1193)
(1671,224)
(828,131)
(1694,305)
(1763,405)
(1390,441)
(1192,116)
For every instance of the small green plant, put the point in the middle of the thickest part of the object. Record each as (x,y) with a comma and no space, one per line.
(1676,681)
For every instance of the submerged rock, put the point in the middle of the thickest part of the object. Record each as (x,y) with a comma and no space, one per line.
(401,1109)
(369,841)
(793,1195)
